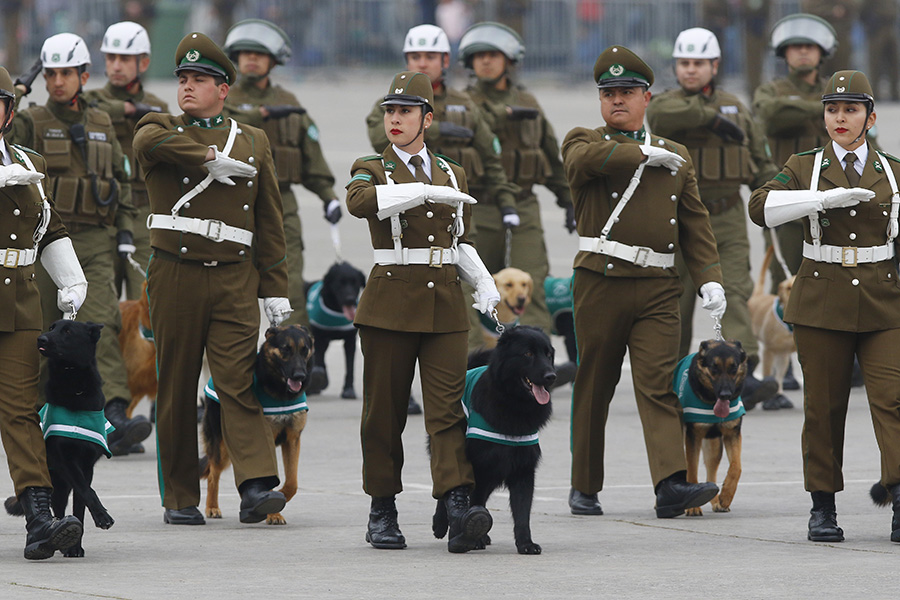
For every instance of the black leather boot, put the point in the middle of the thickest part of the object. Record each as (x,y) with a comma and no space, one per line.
(895,520)
(259,500)
(383,531)
(584,504)
(674,494)
(757,391)
(468,524)
(46,534)
(823,525)
(128,431)
(790,382)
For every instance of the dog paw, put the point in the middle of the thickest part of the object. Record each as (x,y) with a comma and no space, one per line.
(213,512)
(76,551)
(693,512)
(348,393)
(103,520)
(717,507)
(528,548)
(275,519)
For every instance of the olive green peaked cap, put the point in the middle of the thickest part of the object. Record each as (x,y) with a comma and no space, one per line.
(410,88)
(850,86)
(7,90)
(618,66)
(196,52)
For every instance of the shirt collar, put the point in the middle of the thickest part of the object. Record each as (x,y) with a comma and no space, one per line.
(862,153)
(635,135)
(405,156)
(5,156)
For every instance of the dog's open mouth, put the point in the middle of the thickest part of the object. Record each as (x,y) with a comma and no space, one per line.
(295,385)
(517,309)
(349,311)
(540,392)
(722,408)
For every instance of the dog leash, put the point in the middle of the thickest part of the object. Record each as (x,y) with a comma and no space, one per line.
(507,257)
(717,328)
(336,241)
(70,315)
(500,327)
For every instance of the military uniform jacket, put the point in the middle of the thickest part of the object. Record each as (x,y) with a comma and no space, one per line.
(294,139)
(401,297)
(791,112)
(172,150)
(47,130)
(479,156)
(20,206)
(530,150)
(721,165)
(831,296)
(111,100)
(665,213)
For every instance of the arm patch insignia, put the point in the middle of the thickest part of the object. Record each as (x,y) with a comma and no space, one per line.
(782,178)
(361,177)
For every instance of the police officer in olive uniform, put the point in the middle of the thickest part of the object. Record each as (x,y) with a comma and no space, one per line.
(413,310)
(530,155)
(256,46)
(845,302)
(126,50)
(30,226)
(218,244)
(626,288)
(728,150)
(88,178)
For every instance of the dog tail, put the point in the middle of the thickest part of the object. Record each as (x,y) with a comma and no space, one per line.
(14,507)
(760,286)
(880,495)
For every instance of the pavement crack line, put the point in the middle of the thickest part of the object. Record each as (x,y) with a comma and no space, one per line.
(64,591)
(752,538)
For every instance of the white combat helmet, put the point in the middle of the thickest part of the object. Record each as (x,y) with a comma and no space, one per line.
(696,42)
(802,28)
(126,37)
(426,38)
(64,50)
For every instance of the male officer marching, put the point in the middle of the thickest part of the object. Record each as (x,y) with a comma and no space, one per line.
(88,179)
(126,50)
(218,243)
(625,287)
(728,151)
(256,47)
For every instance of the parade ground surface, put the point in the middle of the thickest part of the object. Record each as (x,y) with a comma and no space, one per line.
(758,550)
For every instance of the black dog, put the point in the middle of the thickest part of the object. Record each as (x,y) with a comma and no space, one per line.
(511,397)
(73,421)
(331,304)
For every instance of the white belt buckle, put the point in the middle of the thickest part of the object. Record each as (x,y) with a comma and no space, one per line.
(642,256)
(848,256)
(436,251)
(214,230)
(12,258)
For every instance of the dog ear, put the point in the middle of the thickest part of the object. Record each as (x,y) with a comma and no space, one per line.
(94,329)
(271,331)
(704,347)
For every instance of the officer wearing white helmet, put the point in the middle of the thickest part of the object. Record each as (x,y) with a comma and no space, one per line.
(126,51)
(729,150)
(530,156)
(88,177)
(256,47)
(459,132)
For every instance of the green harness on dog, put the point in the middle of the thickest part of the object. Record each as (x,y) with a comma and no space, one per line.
(87,425)
(695,409)
(271,405)
(479,429)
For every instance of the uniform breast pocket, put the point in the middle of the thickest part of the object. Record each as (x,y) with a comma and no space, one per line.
(58,154)
(879,210)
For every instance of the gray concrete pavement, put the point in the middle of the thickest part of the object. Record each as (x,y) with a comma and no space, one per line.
(759,550)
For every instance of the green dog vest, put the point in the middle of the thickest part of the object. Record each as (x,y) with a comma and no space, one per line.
(695,409)
(479,429)
(87,425)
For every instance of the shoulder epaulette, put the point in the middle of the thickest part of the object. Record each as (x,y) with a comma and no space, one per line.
(448,159)
(30,151)
(372,157)
(813,151)
(890,156)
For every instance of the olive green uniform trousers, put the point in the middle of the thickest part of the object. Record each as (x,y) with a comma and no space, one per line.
(293,237)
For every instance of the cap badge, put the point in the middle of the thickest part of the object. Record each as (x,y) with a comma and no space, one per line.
(616,70)
(55,57)
(841,90)
(192,56)
(690,48)
(398,90)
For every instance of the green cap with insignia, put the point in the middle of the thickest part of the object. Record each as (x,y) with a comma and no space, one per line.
(617,66)
(849,86)
(196,52)
(410,88)
(7,90)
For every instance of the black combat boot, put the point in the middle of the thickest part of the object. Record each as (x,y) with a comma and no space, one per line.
(468,524)
(895,520)
(383,531)
(757,391)
(259,500)
(674,494)
(584,504)
(823,525)
(128,431)
(46,534)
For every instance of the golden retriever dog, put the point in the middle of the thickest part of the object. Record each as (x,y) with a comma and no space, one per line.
(515,287)
(775,336)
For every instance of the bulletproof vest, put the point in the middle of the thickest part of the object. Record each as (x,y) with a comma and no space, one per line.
(285,135)
(520,139)
(809,134)
(69,180)
(457,108)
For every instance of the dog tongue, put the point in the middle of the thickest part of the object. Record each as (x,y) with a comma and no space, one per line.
(350,312)
(295,385)
(540,394)
(721,409)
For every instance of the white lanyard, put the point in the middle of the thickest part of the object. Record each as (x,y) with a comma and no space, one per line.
(629,192)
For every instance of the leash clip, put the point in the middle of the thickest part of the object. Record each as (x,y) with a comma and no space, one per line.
(500,328)
(717,327)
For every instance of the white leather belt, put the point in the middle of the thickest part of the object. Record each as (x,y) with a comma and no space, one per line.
(848,256)
(433,257)
(17,257)
(641,256)
(211,229)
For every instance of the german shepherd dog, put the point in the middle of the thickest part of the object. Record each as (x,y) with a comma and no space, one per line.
(282,372)
(716,376)
(511,396)
(73,448)
(331,305)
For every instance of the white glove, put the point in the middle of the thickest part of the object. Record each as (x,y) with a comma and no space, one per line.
(844,197)
(658,157)
(277,310)
(447,195)
(223,168)
(783,206)
(16,174)
(511,220)
(400,197)
(472,270)
(713,295)
(62,265)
